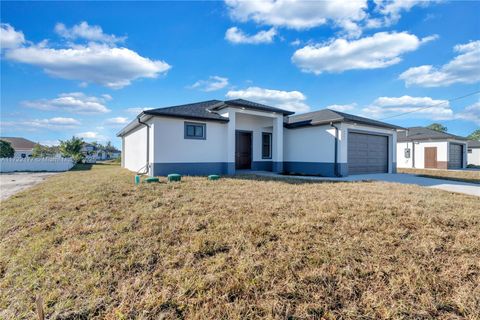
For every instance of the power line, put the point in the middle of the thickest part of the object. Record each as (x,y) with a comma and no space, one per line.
(435,105)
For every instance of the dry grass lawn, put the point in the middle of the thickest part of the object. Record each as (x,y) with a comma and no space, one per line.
(464,176)
(95,246)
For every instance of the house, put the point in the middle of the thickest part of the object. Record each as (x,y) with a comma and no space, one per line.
(424,148)
(23,147)
(473,154)
(223,137)
(98,152)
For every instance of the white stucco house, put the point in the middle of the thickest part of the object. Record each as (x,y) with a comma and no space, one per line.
(473,153)
(223,137)
(423,148)
(23,147)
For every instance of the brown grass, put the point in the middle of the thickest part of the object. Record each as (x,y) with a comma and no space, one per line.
(93,245)
(464,176)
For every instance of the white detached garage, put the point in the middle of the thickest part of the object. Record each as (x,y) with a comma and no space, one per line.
(225,137)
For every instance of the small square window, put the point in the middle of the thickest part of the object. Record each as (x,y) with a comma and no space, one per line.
(266,145)
(195,130)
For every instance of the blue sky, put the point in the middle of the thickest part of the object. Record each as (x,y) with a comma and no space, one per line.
(86,69)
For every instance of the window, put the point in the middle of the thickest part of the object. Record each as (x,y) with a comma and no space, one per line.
(195,130)
(470,150)
(266,145)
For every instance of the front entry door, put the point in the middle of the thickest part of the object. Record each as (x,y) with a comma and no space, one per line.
(243,150)
(430,157)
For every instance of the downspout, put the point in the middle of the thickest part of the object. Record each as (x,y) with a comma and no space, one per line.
(148,144)
(335,166)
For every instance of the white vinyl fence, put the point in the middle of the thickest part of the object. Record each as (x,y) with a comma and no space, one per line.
(35,164)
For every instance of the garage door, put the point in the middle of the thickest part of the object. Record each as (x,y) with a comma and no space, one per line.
(367,153)
(456,156)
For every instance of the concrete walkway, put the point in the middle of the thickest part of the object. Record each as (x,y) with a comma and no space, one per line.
(11,183)
(447,185)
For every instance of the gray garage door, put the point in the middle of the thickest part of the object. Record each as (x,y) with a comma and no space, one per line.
(367,153)
(456,156)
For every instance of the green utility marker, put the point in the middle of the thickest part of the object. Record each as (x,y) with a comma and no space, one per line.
(213,177)
(151,179)
(174,177)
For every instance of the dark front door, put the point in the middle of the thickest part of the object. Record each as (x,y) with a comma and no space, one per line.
(431,157)
(243,150)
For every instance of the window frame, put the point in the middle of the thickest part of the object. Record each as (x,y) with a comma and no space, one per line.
(269,134)
(186,124)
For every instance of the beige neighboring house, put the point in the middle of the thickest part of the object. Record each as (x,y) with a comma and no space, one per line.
(23,147)
(473,155)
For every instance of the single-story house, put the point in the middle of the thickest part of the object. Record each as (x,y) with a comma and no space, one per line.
(23,147)
(222,137)
(473,154)
(424,148)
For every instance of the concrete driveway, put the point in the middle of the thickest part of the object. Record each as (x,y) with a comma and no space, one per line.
(11,183)
(447,185)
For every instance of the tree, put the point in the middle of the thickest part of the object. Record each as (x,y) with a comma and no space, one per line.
(40,151)
(475,135)
(109,147)
(72,148)
(6,149)
(437,127)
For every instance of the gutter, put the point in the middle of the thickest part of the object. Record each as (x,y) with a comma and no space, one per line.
(147,165)
(335,166)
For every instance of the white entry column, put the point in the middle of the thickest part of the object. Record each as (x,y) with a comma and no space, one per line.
(231,128)
(277,147)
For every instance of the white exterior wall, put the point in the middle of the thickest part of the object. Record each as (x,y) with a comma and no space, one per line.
(403,162)
(309,144)
(419,153)
(474,157)
(27,153)
(134,149)
(170,145)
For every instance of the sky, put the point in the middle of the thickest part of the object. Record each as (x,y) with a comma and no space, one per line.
(86,69)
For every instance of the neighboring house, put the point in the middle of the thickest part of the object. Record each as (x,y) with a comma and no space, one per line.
(23,147)
(222,137)
(424,148)
(473,154)
(95,153)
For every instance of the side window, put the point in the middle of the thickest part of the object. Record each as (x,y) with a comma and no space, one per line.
(470,150)
(266,145)
(195,130)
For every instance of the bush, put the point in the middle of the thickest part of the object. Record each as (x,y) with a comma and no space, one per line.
(6,149)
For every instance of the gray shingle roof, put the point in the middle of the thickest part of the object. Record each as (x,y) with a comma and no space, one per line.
(252,105)
(473,144)
(421,133)
(326,116)
(19,143)
(199,110)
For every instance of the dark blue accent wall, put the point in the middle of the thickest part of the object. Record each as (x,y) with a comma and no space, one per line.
(325,169)
(262,165)
(191,168)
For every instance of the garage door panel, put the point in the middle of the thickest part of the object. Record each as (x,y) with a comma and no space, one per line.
(367,153)
(455,156)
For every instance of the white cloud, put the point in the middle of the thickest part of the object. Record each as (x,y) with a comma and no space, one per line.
(213,83)
(56,123)
(288,100)
(464,68)
(298,15)
(137,110)
(87,32)
(388,106)
(342,107)
(235,35)
(100,63)
(470,113)
(91,136)
(117,121)
(75,102)
(9,38)
(392,9)
(381,50)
